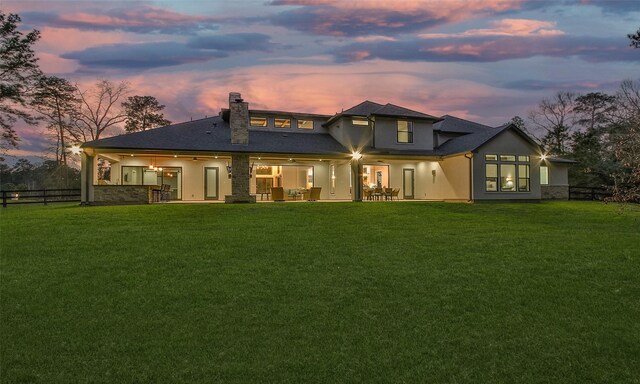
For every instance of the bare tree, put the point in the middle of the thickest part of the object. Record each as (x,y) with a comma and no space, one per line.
(555,119)
(99,109)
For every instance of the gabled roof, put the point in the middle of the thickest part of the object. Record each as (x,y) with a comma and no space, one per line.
(369,108)
(476,135)
(214,135)
(363,109)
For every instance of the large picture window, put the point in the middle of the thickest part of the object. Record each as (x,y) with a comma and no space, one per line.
(507,173)
(405,131)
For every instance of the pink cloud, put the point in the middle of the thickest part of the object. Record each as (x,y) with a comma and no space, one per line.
(376,17)
(505,27)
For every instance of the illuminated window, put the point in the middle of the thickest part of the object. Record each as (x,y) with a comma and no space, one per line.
(258,121)
(523,177)
(491,176)
(507,158)
(505,172)
(360,122)
(405,131)
(544,175)
(305,124)
(282,123)
(332,185)
(507,177)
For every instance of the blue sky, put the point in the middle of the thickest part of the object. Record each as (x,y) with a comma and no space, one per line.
(484,60)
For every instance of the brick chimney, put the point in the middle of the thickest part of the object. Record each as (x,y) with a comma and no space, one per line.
(238,119)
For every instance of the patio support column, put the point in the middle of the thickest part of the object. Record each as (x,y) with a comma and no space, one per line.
(240,180)
(86,178)
(357,175)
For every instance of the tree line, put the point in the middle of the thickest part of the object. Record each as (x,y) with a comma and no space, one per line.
(69,113)
(600,131)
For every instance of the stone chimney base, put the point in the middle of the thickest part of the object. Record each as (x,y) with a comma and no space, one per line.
(240,180)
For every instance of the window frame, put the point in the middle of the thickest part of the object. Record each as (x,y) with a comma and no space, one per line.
(251,120)
(285,120)
(305,121)
(505,160)
(546,173)
(359,121)
(409,132)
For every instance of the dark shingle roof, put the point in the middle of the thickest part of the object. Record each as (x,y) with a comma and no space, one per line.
(457,125)
(394,110)
(363,109)
(203,136)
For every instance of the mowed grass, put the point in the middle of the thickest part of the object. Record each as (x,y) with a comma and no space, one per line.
(321,293)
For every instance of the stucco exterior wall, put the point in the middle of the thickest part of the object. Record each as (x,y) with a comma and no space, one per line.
(506,143)
(558,173)
(192,173)
(386,131)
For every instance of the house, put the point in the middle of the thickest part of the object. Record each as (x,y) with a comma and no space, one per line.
(242,153)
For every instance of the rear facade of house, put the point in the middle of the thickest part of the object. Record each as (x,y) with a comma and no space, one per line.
(243,155)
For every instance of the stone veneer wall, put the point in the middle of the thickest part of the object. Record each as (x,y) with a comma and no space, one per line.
(555,192)
(240,180)
(122,194)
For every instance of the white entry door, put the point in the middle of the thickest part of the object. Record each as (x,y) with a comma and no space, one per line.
(407,183)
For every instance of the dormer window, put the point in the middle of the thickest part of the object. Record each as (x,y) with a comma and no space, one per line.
(282,123)
(305,124)
(258,121)
(359,121)
(405,131)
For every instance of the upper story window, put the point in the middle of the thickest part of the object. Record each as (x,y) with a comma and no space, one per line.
(359,121)
(305,124)
(282,123)
(405,131)
(258,121)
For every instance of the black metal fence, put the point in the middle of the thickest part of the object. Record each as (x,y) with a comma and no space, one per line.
(589,193)
(39,196)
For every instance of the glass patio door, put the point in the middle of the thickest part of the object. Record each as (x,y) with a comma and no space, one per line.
(211,183)
(407,183)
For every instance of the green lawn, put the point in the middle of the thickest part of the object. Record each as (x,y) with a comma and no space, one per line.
(321,293)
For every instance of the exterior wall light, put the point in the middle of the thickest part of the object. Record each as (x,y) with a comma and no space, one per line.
(75,149)
(543,157)
(356,155)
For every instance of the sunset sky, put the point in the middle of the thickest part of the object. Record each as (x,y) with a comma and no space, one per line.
(483,60)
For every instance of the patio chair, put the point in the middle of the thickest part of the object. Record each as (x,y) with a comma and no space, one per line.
(395,193)
(314,193)
(277,193)
(388,193)
(165,193)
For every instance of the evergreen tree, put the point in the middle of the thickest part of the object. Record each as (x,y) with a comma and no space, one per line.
(143,112)
(18,70)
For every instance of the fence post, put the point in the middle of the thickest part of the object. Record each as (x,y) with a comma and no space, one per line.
(4,199)
(44,194)
(593,194)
